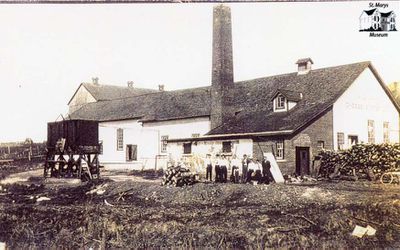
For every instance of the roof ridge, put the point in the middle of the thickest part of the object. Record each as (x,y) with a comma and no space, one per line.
(115,86)
(295,72)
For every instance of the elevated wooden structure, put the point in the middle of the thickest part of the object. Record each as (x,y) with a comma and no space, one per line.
(72,149)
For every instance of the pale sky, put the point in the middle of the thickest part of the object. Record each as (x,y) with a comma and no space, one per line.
(46,51)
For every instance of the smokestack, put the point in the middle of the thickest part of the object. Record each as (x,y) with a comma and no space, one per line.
(222,65)
(222,60)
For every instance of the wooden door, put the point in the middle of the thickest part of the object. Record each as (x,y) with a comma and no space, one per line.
(302,160)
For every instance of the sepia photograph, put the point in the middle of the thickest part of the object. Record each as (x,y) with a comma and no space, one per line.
(199,124)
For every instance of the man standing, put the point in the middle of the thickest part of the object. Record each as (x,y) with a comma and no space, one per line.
(235,163)
(258,175)
(251,168)
(208,166)
(266,170)
(217,169)
(245,164)
(223,165)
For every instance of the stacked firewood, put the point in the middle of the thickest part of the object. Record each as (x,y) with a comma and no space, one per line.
(178,176)
(360,158)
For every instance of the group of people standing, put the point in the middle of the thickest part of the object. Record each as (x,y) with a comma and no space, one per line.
(242,170)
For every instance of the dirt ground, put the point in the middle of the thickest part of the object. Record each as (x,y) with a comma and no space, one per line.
(135,211)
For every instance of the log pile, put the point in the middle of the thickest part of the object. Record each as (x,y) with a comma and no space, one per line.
(178,176)
(360,158)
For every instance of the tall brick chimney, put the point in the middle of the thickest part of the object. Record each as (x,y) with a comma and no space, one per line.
(222,64)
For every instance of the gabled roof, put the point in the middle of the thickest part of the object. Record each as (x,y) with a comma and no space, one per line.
(304,60)
(386,14)
(161,105)
(321,88)
(290,95)
(102,92)
(370,12)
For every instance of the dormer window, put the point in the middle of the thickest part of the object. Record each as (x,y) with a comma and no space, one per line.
(280,102)
(284,100)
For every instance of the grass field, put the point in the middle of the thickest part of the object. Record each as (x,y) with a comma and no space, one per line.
(139,213)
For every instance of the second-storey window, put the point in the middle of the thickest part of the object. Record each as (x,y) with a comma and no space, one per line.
(280,102)
(120,139)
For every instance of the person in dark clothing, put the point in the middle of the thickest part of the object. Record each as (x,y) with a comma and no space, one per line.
(208,165)
(266,170)
(235,163)
(223,164)
(251,168)
(245,164)
(258,173)
(217,169)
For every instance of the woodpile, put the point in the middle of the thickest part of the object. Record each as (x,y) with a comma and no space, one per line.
(178,176)
(361,158)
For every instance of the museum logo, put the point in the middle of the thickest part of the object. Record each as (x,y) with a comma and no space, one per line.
(378,20)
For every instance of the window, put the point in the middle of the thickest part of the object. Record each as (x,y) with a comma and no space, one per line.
(280,102)
(120,139)
(386,132)
(196,135)
(187,148)
(279,150)
(320,145)
(227,147)
(371,131)
(164,143)
(340,140)
(131,152)
(353,140)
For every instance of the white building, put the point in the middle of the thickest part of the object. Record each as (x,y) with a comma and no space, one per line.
(292,115)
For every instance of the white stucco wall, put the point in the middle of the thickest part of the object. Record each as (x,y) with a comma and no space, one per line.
(147,137)
(201,148)
(182,128)
(364,100)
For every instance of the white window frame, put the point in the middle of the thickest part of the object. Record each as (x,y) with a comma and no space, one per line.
(386,137)
(371,131)
(340,140)
(164,143)
(120,139)
(280,150)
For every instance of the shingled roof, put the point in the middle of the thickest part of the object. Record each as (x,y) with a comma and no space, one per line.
(161,105)
(320,88)
(102,92)
(249,102)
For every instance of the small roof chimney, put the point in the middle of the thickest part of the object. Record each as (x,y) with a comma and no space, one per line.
(130,84)
(161,87)
(95,80)
(304,65)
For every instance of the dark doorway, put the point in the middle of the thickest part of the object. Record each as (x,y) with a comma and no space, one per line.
(302,160)
(131,152)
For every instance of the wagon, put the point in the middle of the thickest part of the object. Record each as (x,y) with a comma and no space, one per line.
(390,177)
